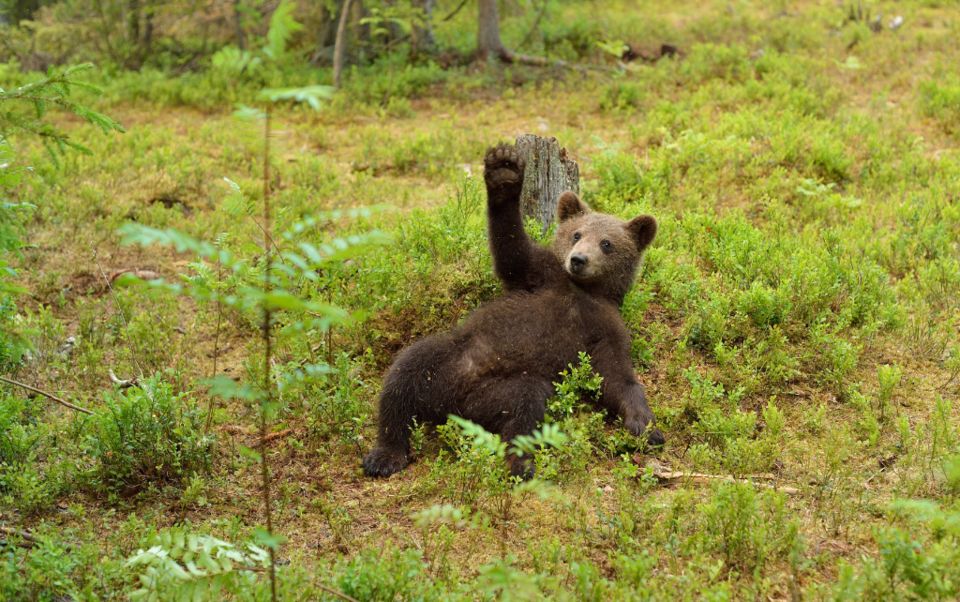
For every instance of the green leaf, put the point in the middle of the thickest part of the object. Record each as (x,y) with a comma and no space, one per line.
(312,95)
(268,540)
(207,563)
(282,27)
(252,454)
(245,113)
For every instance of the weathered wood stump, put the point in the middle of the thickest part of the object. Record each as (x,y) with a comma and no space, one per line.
(550,172)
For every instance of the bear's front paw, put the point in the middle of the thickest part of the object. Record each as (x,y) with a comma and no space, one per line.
(640,426)
(383,462)
(655,438)
(503,169)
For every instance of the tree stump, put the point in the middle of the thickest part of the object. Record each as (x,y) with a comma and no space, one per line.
(550,172)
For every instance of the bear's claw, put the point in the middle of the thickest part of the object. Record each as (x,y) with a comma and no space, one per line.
(383,462)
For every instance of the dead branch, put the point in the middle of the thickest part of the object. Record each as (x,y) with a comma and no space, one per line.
(141,274)
(28,539)
(47,395)
(535,26)
(334,592)
(697,477)
(123,383)
(277,435)
(454,12)
(509,56)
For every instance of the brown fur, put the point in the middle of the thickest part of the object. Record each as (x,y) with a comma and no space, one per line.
(497,369)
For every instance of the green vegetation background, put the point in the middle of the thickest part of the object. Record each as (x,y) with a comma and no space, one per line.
(797,321)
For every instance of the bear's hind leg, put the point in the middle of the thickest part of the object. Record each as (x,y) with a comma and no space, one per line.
(420,383)
(510,407)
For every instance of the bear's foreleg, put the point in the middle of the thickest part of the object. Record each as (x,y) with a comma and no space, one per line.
(624,395)
(630,403)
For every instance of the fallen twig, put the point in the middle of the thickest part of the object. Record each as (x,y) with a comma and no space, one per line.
(123,383)
(141,274)
(47,395)
(535,26)
(26,537)
(276,435)
(697,477)
(28,540)
(334,592)
(512,57)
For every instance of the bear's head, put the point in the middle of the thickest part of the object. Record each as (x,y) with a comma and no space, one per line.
(600,253)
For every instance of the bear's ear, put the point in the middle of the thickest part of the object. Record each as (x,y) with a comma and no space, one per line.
(569,205)
(643,229)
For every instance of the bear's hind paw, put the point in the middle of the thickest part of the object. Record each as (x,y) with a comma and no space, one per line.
(383,462)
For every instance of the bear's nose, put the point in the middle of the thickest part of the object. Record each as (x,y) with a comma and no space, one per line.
(578,262)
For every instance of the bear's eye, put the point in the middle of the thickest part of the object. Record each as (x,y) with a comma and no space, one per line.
(576,236)
(606,245)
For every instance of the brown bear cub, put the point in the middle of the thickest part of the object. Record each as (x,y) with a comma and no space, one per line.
(497,369)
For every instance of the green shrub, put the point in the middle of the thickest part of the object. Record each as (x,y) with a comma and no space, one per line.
(389,79)
(620,178)
(340,401)
(940,99)
(385,574)
(713,61)
(147,436)
(918,561)
(734,443)
(748,528)
(49,570)
(32,471)
(18,428)
(622,96)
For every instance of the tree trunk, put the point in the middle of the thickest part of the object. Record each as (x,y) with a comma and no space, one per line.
(327,35)
(238,23)
(550,171)
(146,38)
(133,21)
(340,44)
(488,36)
(423,36)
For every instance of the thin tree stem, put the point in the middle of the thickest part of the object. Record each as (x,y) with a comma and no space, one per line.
(123,318)
(267,351)
(216,351)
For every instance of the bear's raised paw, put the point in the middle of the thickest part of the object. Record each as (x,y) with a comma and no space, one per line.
(503,167)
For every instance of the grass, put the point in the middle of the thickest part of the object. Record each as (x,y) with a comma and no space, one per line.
(797,315)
